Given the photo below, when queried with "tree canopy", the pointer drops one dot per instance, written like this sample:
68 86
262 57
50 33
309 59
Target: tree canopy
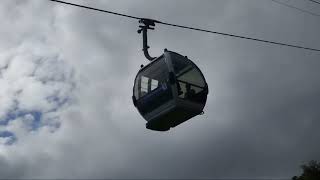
311 171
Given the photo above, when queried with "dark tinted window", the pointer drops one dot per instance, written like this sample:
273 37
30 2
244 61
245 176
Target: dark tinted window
191 83
151 78
151 88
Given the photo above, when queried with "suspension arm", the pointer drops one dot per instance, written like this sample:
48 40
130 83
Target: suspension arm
147 24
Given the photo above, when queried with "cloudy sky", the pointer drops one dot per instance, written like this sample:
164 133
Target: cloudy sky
66 77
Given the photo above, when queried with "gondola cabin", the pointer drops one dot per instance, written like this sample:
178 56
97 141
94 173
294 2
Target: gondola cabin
168 91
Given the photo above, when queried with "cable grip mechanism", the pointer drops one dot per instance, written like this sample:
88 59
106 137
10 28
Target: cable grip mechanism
147 24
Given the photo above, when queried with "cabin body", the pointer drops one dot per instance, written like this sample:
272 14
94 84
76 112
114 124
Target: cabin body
169 91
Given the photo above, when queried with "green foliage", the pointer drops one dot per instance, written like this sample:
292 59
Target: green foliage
311 171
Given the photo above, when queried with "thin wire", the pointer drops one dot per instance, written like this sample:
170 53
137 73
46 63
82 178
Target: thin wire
192 28
296 8
242 37
314 1
95 9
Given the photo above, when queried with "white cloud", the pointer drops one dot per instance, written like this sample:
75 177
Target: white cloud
36 85
5 140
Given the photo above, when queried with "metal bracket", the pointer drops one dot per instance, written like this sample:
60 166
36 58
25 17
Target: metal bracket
147 24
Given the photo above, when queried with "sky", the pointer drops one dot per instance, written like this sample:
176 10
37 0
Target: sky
66 77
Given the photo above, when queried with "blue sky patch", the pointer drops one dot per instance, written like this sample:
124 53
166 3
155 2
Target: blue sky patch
10 135
16 114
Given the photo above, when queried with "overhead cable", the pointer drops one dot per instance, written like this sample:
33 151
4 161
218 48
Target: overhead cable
95 9
314 1
296 8
191 28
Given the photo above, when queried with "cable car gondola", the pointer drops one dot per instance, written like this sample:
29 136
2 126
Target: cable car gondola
170 90
170 100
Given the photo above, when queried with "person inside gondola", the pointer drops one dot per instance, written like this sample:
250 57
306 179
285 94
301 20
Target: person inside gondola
189 92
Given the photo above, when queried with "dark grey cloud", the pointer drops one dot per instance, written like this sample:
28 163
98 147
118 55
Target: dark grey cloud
262 115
